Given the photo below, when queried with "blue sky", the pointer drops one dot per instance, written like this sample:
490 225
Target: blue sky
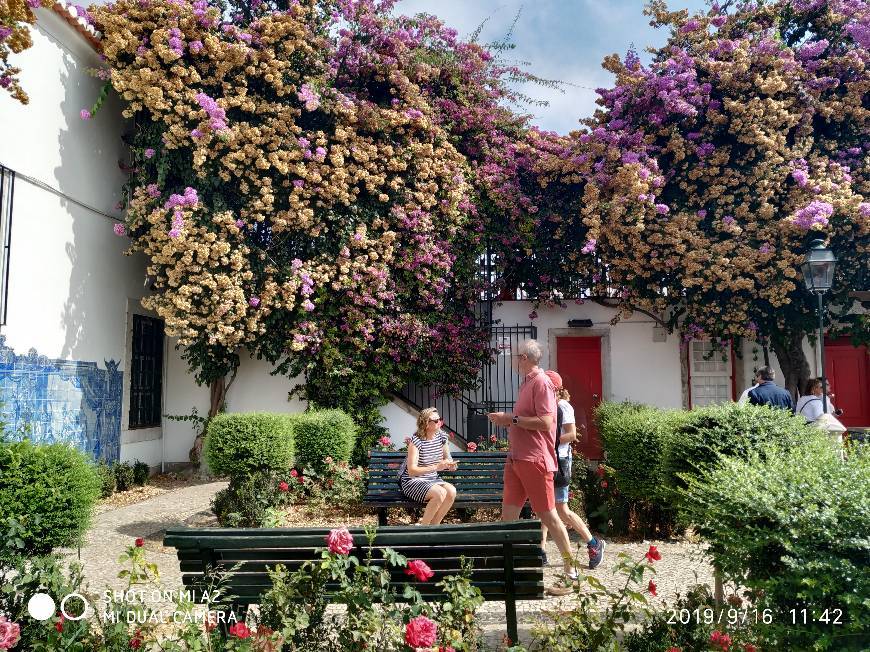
561 39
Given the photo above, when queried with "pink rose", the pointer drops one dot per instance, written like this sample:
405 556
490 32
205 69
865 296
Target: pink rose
421 632
10 633
384 441
471 447
339 541
419 569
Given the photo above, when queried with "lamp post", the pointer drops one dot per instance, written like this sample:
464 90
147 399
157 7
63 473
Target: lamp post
818 268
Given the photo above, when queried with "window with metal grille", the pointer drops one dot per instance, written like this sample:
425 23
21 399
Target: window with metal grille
146 372
7 185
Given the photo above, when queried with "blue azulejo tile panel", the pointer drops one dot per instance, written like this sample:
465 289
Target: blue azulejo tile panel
62 401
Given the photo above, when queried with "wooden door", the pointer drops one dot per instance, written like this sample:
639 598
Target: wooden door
578 361
848 372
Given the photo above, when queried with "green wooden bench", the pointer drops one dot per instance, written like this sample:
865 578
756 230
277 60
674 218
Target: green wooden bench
478 480
505 557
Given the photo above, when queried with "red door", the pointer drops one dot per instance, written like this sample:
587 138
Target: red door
578 361
848 370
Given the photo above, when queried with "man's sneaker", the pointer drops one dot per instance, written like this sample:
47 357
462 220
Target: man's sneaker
596 553
544 557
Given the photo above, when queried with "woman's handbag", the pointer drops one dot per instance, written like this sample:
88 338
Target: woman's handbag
562 476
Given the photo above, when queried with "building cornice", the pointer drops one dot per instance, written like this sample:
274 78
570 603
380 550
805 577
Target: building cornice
68 12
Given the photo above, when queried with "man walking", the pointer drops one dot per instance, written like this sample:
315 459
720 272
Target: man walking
528 472
769 393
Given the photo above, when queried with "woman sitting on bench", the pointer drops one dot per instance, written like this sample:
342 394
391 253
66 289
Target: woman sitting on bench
428 454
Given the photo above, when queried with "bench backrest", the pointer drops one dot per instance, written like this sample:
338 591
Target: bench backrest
505 557
479 476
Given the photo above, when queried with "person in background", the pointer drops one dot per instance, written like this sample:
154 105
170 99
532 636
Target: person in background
531 460
809 405
595 547
769 393
428 453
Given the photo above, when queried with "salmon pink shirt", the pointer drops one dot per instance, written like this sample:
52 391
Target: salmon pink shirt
537 398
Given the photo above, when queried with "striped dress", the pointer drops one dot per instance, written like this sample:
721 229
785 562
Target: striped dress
430 451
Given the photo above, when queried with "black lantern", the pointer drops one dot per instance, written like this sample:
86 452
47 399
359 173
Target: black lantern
818 268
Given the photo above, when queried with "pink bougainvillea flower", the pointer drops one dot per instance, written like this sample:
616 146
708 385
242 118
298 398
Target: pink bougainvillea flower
119 229
421 632
84 114
419 569
339 541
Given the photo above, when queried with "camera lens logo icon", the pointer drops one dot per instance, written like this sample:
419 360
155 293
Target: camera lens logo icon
41 606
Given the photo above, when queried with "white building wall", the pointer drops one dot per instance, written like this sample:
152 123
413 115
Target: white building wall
635 367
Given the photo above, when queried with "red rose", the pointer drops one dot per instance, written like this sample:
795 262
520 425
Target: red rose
674 649
600 471
136 641
283 486
652 587
294 473
604 484
749 647
59 624
419 569
240 630
493 438
421 632
140 542
301 479
653 554
720 640
472 447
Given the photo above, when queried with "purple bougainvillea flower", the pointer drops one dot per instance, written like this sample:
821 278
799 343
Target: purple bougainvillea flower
119 229
84 114
149 153
254 301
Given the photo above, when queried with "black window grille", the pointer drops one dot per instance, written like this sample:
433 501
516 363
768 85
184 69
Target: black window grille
146 372
7 186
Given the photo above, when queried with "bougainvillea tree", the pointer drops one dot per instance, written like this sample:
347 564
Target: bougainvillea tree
717 164
16 17
310 182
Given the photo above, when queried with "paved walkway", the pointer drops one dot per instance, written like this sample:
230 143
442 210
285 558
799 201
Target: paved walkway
114 529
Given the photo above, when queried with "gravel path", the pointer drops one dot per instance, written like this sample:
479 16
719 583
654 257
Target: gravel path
113 530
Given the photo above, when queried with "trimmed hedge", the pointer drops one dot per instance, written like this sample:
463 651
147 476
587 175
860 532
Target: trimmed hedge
731 430
243 443
792 523
635 438
324 433
50 490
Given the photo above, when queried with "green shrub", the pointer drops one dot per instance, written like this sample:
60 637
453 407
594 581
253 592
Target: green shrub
240 444
107 479
50 490
247 500
791 524
730 429
321 434
123 476
141 471
635 438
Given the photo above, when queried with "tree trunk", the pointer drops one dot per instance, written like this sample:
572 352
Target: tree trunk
218 389
789 351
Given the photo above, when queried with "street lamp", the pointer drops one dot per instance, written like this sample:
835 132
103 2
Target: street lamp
818 268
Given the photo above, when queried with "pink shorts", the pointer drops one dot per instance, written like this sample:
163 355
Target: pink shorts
529 479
